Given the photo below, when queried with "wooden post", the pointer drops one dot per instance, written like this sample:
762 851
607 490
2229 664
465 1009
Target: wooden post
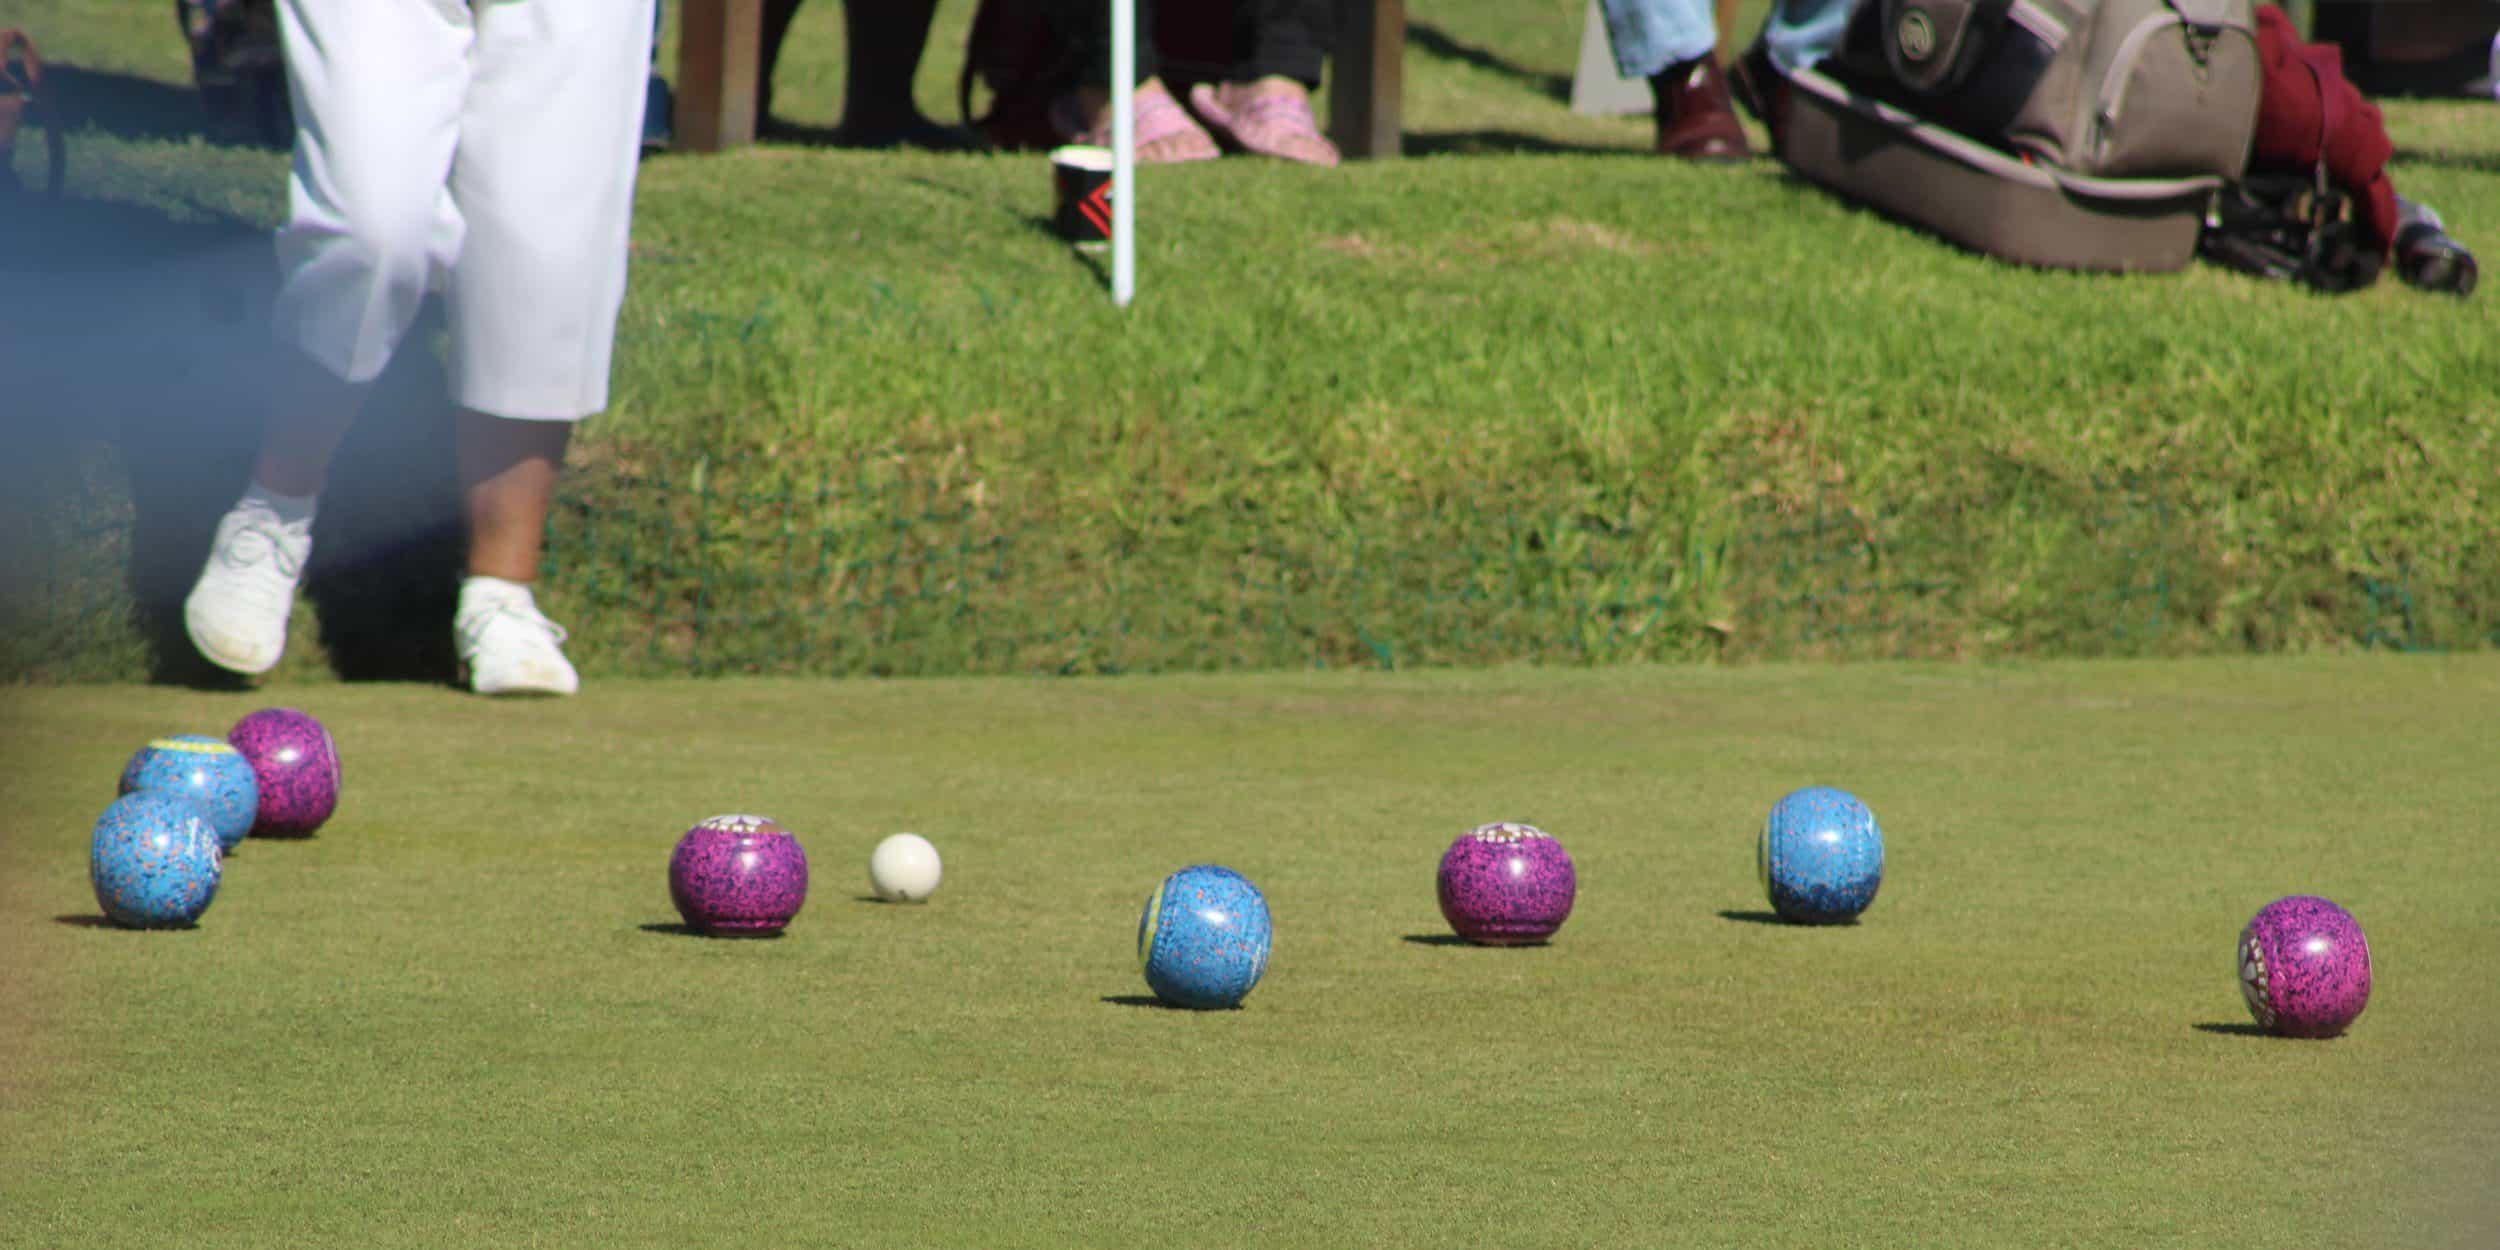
1367 77
719 54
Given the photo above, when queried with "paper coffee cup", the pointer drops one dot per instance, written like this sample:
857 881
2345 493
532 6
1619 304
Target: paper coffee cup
1082 175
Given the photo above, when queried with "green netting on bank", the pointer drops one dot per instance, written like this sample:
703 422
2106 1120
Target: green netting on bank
866 571
864 576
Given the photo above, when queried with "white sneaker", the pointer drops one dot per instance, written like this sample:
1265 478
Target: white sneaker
238 610
509 647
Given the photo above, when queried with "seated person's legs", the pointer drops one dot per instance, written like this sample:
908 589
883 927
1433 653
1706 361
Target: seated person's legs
884 41
1165 133
1671 43
1265 102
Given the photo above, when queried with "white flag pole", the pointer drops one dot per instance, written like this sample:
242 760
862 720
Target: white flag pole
1123 152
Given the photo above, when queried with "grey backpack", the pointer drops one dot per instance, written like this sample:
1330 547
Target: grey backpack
2070 133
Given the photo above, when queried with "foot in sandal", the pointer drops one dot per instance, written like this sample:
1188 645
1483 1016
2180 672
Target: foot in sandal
1271 117
1165 133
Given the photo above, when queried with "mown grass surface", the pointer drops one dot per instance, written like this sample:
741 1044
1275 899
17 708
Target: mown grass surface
1533 395
458 1016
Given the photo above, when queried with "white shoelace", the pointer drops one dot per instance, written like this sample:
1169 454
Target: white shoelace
236 554
475 622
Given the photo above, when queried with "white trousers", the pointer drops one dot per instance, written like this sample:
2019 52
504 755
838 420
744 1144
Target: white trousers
482 148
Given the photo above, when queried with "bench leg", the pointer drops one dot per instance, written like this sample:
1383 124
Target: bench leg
719 54
1367 77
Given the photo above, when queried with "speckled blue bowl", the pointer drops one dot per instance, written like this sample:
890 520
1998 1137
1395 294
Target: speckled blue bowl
1204 938
209 772
154 861
1821 856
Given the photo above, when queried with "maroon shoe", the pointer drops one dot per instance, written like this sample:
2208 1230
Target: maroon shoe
1696 119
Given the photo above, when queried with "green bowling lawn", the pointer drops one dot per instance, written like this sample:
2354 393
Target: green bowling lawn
463 1015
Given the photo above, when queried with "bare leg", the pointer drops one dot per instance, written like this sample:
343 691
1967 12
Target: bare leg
508 478
306 424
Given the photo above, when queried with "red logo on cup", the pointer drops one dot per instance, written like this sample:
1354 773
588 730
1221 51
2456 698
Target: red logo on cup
1096 206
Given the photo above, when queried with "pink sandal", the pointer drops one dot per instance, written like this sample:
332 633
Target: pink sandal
1159 117
1278 125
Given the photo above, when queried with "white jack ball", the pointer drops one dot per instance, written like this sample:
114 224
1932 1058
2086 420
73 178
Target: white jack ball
904 869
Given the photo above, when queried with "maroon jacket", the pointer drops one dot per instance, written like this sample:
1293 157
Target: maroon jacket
2310 113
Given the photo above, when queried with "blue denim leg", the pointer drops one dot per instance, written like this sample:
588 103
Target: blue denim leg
1650 35
1803 32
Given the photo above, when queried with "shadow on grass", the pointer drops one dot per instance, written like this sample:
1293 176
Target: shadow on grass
689 931
2231 1028
136 343
1752 917
1149 1000
1452 939
251 113
82 920
1433 41
1774 918
940 139
1498 143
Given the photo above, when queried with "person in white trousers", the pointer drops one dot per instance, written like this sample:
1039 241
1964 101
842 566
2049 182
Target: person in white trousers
484 149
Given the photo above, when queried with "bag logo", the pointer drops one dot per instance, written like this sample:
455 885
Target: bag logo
1915 34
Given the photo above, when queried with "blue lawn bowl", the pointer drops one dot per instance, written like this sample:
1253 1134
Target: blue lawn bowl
208 771
1204 938
155 861
1821 856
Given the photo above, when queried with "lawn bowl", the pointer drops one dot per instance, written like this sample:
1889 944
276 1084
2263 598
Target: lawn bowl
738 876
204 770
1204 938
1821 856
296 766
2304 967
154 861
1507 884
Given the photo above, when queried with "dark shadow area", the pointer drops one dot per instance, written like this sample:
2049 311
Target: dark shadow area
1438 939
1149 1000
79 921
125 106
135 343
124 338
940 138
2241 1028
1431 40
1499 143
250 112
689 931
389 544
1753 918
